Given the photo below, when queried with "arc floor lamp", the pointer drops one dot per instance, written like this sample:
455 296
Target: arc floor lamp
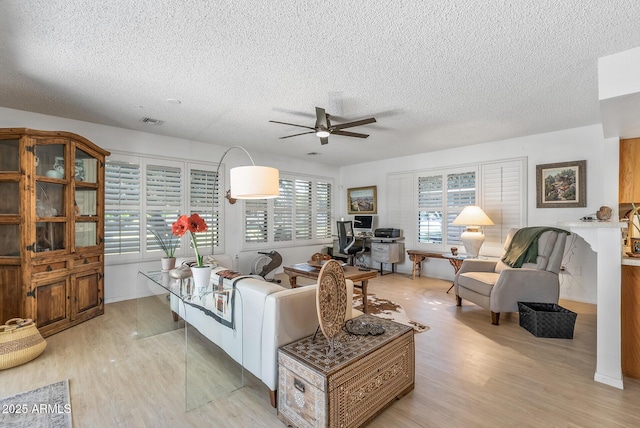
248 182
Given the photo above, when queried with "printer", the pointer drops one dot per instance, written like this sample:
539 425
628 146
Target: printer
387 232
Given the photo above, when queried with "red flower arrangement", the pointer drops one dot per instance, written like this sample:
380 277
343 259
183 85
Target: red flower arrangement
191 224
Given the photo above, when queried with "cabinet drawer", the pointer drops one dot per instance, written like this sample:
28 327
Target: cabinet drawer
51 267
87 262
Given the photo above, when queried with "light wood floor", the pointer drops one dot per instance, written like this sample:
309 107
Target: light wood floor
469 373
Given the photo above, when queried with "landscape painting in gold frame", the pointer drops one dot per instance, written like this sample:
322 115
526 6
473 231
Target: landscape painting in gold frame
561 185
362 200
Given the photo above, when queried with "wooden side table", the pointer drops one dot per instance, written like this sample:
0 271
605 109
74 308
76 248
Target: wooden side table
417 257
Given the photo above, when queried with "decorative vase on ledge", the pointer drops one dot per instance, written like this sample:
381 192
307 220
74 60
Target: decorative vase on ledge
201 276
168 263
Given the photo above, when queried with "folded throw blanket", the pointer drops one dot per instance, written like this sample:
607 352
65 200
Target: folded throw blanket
524 245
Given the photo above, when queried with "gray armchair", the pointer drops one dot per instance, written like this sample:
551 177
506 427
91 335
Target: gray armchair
496 286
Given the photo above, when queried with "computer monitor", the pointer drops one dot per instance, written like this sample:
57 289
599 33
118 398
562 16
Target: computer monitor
363 224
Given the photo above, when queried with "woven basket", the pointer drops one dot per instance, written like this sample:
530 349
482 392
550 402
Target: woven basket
547 320
20 342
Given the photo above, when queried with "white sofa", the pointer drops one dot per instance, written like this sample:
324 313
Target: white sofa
272 316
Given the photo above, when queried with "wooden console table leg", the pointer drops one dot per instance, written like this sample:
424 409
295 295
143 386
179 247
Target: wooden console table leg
292 281
365 301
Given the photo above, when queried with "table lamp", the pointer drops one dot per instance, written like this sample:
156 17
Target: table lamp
473 217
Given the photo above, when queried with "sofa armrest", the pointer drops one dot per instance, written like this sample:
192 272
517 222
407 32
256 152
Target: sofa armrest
289 315
477 265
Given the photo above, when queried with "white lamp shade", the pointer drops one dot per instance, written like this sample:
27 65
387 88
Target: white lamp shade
472 215
254 182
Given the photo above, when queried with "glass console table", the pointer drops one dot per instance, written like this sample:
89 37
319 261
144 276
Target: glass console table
211 315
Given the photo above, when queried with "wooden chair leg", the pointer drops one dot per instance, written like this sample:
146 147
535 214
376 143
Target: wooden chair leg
273 397
458 300
495 318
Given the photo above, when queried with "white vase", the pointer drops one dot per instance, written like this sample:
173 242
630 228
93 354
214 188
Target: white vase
168 263
201 276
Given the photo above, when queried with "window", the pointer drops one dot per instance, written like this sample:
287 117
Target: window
441 197
144 194
436 197
123 207
300 215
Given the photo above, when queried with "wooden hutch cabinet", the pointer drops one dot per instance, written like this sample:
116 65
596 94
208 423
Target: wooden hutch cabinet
51 228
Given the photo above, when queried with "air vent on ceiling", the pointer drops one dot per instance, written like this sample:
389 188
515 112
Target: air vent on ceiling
152 121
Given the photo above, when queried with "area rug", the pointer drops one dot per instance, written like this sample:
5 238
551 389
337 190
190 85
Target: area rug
383 308
46 407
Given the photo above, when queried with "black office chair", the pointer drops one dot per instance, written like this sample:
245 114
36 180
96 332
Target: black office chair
346 241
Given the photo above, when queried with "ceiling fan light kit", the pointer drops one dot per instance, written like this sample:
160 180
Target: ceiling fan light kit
323 127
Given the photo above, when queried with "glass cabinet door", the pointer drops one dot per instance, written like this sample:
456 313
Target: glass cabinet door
50 160
86 167
86 197
51 198
9 198
9 155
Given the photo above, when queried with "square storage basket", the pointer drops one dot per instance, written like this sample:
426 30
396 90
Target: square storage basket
547 320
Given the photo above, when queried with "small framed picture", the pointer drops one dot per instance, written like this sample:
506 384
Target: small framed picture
362 200
561 185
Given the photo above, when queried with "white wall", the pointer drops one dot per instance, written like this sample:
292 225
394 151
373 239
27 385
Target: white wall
567 145
120 278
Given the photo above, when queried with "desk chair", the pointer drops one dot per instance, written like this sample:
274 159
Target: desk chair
347 239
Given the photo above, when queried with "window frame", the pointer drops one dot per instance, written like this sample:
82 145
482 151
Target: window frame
186 167
319 209
507 190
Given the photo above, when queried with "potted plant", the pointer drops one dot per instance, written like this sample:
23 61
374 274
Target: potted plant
168 244
193 224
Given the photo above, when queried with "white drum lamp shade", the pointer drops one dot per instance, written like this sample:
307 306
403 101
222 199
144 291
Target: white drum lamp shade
254 182
473 217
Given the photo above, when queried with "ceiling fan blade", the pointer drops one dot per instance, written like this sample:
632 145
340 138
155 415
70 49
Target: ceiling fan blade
291 124
324 140
295 135
321 118
349 134
354 123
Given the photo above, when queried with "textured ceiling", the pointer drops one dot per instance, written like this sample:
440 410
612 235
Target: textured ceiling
435 74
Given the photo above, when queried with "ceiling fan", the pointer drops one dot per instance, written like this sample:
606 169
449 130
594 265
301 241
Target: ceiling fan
324 128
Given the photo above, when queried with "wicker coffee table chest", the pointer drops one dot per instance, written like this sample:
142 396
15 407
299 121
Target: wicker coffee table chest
365 374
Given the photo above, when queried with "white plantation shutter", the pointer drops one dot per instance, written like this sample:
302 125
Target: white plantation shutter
499 188
256 220
430 208
145 193
503 200
163 199
301 214
203 199
283 212
461 191
122 208
304 205
323 210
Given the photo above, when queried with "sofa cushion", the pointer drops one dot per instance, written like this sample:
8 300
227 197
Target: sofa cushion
479 282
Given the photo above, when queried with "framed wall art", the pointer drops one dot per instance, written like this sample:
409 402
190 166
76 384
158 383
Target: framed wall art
561 185
362 200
